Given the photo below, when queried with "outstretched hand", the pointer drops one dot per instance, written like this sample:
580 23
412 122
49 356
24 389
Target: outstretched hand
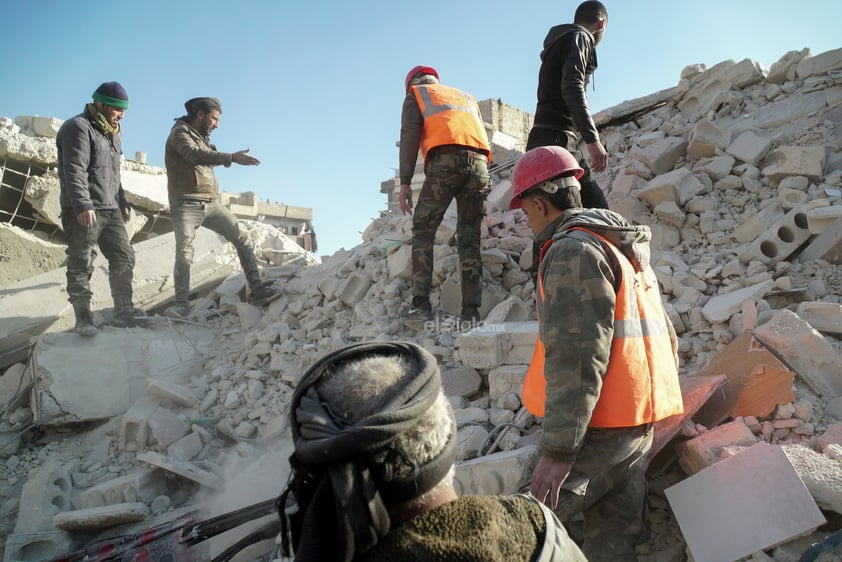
242 158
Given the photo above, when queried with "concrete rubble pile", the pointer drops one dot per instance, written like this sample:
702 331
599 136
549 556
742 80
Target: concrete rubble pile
737 170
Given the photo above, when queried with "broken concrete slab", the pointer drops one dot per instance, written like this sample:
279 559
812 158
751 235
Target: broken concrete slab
38 304
721 307
821 474
804 350
736 361
826 246
764 388
733 508
183 469
63 389
37 546
140 485
498 473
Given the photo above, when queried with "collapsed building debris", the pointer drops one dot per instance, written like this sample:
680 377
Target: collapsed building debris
737 170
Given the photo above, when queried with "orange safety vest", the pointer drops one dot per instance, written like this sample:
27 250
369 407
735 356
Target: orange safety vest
640 385
451 116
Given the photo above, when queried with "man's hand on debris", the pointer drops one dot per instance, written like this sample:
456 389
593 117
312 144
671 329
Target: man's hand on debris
547 479
242 158
405 199
86 218
598 156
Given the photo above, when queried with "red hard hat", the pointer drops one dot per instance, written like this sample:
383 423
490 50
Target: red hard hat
542 164
420 69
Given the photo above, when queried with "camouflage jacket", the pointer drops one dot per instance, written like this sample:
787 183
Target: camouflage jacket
580 279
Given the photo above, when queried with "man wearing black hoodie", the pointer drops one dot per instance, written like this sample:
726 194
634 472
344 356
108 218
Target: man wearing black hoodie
562 117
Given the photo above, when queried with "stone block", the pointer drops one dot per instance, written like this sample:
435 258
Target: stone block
186 448
134 426
749 147
354 288
171 392
504 380
736 507
678 186
781 239
517 342
715 168
461 381
706 140
823 316
788 161
166 427
709 447
500 196
469 441
721 307
494 474
826 246
450 294
97 518
510 310
820 219
660 156
831 436
820 64
480 348
140 485
399 262
45 493
805 351
183 469
758 223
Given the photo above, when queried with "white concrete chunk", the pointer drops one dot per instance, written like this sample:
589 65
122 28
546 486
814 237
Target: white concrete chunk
721 307
749 147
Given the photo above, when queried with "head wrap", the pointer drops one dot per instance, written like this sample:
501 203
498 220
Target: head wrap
113 94
341 477
195 105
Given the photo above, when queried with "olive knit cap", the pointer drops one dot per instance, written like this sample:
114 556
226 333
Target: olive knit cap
113 94
195 105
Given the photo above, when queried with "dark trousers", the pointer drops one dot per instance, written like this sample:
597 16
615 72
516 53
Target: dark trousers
187 217
109 234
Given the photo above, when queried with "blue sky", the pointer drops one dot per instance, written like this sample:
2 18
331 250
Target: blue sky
314 89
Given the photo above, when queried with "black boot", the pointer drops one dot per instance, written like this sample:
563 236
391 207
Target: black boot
125 314
84 319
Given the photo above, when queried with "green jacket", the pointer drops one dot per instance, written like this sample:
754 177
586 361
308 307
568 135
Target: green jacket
479 529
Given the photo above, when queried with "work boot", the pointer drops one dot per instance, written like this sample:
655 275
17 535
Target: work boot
178 311
84 320
264 294
470 315
419 314
125 314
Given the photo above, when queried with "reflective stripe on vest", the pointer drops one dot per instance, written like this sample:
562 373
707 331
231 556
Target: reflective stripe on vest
641 382
451 116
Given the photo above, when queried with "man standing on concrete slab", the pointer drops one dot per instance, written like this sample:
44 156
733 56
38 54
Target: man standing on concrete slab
194 199
94 209
375 440
605 366
445 124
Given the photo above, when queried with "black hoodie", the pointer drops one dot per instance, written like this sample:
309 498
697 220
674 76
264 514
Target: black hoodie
567 61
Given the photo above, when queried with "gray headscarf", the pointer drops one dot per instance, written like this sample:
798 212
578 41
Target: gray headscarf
339 479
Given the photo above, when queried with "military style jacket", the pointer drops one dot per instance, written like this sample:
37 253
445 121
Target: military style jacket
581 279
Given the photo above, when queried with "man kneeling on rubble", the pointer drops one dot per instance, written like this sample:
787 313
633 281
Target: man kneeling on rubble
372 473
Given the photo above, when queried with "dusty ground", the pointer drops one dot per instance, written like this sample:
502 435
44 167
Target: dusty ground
27 255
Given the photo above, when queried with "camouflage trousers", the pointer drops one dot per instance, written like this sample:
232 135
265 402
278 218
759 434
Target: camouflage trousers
109 234
614 462
462 176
